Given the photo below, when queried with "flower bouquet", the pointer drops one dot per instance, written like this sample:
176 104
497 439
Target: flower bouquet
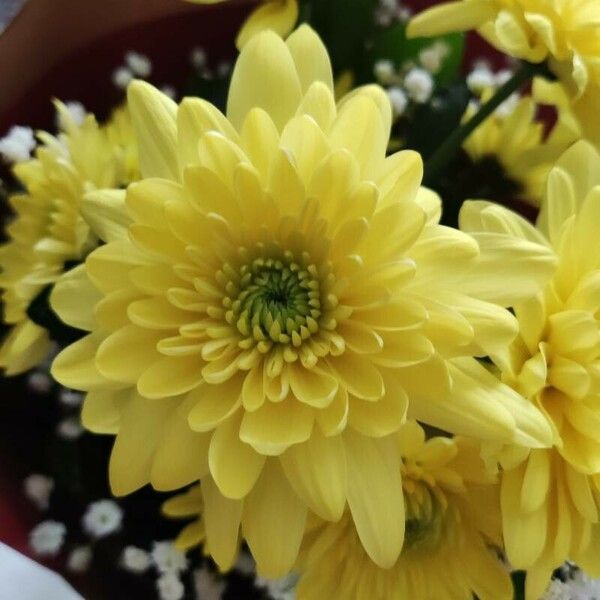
329 315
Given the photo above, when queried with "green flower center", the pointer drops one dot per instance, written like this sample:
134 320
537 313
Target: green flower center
275 299
426 512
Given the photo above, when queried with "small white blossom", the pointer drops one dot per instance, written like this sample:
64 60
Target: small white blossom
122 77
169 587
578 587
135 559
404 14
76 112
47 538
17 144
167 559
419 85
38 489
480 79
207 585
279 589
398 100
223 69
70 429
502 77
102 518
169 90
432 57
39 382
70 398
245 564
384 71
198 58
139 64
79 559
508 107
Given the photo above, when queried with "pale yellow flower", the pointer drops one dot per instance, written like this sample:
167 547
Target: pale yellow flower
48 230
453 532
274 296
515 139
279 16
551 498
566 33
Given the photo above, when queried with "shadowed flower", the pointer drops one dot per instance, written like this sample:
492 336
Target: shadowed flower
275 294
551 498
566 33
48 230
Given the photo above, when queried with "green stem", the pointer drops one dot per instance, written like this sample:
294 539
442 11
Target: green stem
444 154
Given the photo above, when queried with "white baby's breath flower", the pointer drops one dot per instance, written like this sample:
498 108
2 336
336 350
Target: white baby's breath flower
169 587
398 100
245 564
384 72
198 58
47 538
501 77
39 382
79 559
480 79
102 518
223 69
207 585
279 589
70 398
135 559
139 64
17 144
76 112
167 559
70 429
432 58
508 107
38 488
169 90
419 85
122 77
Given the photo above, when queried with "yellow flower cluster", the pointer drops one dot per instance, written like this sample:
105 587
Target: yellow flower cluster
274 315
565 33
274 298
48 230
551 498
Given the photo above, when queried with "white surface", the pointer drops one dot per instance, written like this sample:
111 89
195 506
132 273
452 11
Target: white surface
24 579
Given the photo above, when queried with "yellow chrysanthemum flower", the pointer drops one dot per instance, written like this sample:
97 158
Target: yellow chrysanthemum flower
452 524
514 139
48 229
566 33
453 532
279 16
551 498
271 296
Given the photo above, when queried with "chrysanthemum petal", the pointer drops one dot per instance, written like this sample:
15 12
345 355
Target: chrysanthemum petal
264 65
234 465
359 376
170 376
154 119
311 58
316 470
180 456
222 517
106 214
140 431
279 16
273 522
375 496
73 298
277 425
